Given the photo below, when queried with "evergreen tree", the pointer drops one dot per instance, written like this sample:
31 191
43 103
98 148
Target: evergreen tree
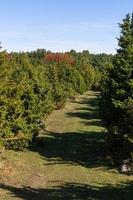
32 85
24 101
117 94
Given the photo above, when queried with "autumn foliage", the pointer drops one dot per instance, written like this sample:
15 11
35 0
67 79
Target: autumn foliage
59 58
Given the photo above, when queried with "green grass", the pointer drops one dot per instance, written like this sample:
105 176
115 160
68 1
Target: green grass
69 161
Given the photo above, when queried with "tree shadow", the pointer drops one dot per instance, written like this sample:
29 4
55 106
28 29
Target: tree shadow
96 122
86 148
78 148
87 109
89 112
72 191
90 101
83 115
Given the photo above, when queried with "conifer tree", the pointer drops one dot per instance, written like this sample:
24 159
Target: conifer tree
117 94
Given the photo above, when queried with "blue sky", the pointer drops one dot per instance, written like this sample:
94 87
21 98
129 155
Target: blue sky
61 25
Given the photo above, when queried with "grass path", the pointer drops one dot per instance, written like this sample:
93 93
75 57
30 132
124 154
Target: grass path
69 162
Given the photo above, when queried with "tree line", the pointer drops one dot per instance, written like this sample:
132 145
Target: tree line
32 84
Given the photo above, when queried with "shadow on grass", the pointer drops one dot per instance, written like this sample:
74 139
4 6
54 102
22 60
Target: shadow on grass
83 115
72 191
96 122
90 101
85 148
79 148
89 113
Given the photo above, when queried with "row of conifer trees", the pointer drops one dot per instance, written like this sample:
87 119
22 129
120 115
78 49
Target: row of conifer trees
32 84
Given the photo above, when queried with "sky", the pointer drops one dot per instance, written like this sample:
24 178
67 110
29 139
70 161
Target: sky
62 25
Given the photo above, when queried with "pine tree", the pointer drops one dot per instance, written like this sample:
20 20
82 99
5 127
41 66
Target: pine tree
117 94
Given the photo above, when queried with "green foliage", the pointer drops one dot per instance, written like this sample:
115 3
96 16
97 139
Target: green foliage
35 83
23 101
77 81
117 93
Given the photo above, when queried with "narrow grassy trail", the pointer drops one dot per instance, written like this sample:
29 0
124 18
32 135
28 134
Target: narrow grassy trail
69 162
